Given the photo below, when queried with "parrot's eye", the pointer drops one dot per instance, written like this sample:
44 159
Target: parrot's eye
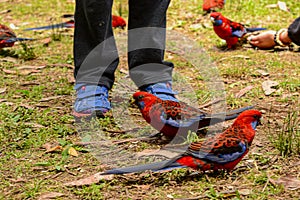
140 97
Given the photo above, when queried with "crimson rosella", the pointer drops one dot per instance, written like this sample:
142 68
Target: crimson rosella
222 151
117 22
171 117
8 37
210 5
228 30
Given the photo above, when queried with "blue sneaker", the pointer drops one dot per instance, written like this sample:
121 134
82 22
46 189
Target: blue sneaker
161 90
91 100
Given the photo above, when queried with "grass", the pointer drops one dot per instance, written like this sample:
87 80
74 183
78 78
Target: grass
36 108
288 135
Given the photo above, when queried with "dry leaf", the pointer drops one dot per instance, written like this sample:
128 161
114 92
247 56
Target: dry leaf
47 146
124 71
7 71
268 87
282 6
289 182
50 195
245 192
53 149
4 11
272 6
27 72
51 98
2 90
71 79
24 67
9 59
18 180
263 72
34 125
90 180
243 91
72 152
22 72
46 41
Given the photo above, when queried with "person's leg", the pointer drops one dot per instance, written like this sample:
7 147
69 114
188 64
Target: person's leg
95 56
146 45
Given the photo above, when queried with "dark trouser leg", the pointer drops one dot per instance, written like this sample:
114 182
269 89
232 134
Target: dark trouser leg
146 42
95 53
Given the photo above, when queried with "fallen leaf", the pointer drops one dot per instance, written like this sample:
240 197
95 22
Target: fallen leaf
95 178
26 106
143 187
272 6
12 26
27 72
7 71
71 79
51 98
2 90
53 149
24 67
196 26
50 195
21 72
34 125
124 71
29 83
18 180
46 41
47 146
243 91
42 105
4 11
289 182
61 65
72 152
245 192
9 59
282 6
268 87
263 72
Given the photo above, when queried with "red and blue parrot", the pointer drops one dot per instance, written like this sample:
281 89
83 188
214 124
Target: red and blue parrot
228 30
171 118
8 37
117 22
219 152
211 5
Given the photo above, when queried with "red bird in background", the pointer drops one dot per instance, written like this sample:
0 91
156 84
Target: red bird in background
210 5
228 30
117 22
8 37
171 118
222 151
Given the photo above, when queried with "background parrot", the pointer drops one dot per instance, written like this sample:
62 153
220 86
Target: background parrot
171 117
117 22
228 30
210 5
222 151
8 37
